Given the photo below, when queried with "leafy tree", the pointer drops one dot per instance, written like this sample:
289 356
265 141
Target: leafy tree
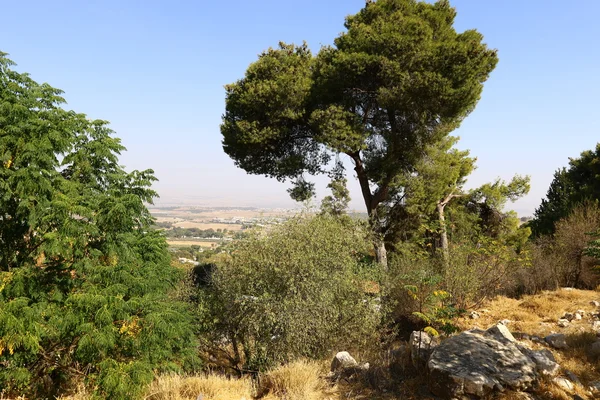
399 79
295 292
570 187
84 280
337 203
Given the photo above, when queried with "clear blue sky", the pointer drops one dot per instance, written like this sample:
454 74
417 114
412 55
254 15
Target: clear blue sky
156 70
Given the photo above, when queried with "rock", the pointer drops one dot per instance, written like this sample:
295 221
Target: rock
556 340
563 323
421 346
595 303
568 316
474 315
342 360
545 363
577 316
595 387
572 377
594 350
596 325
563 383
501 333
476 363
505 321
200 397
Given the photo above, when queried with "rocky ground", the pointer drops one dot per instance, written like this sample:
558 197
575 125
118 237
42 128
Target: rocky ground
545 346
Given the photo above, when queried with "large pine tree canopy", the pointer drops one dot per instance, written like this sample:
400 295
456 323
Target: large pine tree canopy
84 281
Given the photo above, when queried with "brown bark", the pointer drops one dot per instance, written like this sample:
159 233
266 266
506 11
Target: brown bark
372 201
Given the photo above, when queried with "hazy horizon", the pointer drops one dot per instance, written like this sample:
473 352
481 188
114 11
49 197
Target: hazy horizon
156 70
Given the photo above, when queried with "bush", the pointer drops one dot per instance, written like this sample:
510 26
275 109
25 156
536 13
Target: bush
296 291
562 259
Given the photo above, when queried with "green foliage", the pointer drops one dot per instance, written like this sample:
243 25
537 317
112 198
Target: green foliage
481 268
84 280
337 203
571 186
296 291
415 287
567 258
397 81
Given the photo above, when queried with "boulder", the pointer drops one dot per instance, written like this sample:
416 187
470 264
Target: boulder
341 361
421 346
556 340
595 303
476 363
577 316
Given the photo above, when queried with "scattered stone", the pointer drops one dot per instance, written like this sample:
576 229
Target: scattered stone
556 340
572 377
563 383
563 323
477 363
568 316
595 387
594 349
421 346
545 362
474 315
596 325
595 303
342 360
505 321
581 312
577 316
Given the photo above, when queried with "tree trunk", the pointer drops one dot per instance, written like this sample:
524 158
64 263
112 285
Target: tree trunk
372 201
381 254
443 235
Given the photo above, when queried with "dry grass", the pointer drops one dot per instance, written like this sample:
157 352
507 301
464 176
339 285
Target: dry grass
300 380
211 386
537 315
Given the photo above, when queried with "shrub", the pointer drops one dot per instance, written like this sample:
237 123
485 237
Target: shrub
564 258
293 292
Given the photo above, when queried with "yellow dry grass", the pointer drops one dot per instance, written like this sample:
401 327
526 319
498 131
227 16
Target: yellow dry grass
210 386
537 315
300 380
